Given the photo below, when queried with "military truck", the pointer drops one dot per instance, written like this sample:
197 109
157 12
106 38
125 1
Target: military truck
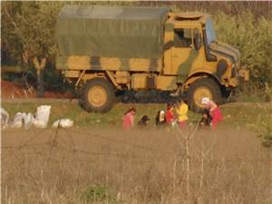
104 50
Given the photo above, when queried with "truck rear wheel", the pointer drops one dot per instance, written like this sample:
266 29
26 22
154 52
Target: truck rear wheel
98 95
204 87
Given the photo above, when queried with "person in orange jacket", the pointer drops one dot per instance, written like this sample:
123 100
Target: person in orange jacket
182 110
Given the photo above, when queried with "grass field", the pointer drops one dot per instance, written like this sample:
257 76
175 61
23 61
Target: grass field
97 162
237 115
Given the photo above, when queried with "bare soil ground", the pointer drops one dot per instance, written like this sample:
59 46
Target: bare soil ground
140 166
12 90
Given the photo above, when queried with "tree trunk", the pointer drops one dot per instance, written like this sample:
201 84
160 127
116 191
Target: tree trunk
39 67
40 90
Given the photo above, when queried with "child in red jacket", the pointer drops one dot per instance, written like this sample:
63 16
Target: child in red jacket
169 116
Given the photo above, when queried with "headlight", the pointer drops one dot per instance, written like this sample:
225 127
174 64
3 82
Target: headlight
221 68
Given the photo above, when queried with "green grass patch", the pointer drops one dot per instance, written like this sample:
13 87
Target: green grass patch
95 194
249 115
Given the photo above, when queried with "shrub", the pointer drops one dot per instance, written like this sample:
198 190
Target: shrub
252 37
97 194
265 133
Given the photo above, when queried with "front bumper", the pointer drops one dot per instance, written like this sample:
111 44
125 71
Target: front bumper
243 73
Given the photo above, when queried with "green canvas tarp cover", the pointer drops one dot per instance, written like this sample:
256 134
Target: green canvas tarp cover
108 31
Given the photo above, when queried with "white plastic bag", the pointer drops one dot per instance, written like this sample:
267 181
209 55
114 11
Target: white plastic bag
63 123
4 118
28 120
42 116
174 124
18 120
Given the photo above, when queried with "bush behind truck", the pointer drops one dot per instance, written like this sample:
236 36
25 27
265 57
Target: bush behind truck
108 49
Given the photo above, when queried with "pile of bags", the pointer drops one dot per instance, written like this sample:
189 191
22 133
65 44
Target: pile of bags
39 120
4 118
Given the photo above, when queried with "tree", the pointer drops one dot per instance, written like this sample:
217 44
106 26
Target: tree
29 28
28 33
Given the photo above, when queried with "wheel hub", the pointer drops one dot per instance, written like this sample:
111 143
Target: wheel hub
97 96
200 93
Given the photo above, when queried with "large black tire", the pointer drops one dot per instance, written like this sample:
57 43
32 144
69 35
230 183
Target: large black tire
98 95
204 87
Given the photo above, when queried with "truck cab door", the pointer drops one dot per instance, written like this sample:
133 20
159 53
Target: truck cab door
184 55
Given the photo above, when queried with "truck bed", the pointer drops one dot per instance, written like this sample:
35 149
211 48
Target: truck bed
111 32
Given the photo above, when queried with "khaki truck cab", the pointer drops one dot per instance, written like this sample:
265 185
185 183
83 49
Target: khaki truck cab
108 49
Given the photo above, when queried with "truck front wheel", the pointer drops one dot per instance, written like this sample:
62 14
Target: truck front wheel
98 95
204 87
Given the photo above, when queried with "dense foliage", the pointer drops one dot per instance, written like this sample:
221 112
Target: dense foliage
28 31
253 38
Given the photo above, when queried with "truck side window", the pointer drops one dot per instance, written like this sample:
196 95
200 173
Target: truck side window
182 38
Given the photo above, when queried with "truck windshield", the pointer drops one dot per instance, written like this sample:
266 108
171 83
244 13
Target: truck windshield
211 37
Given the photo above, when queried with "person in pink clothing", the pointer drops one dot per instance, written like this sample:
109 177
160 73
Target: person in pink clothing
128 119
214 111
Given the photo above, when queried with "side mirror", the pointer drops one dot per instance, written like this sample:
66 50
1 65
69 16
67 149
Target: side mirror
197 41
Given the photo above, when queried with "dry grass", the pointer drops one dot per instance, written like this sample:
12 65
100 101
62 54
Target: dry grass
141 166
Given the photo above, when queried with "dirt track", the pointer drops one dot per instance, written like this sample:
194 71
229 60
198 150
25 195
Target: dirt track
37 100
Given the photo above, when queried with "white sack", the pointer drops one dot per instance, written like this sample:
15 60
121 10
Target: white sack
63 123
42 116
28 120
18 120
4 118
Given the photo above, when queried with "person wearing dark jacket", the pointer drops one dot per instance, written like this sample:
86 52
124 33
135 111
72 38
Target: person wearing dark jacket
143 121
206 119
